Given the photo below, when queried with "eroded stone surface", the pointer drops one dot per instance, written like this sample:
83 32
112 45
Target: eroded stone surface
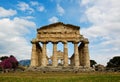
59 32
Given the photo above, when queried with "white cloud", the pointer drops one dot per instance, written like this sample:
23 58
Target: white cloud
103 60
7 13
85 2
53 19
104 15
12 37
60 10
38 6
105 19
25 7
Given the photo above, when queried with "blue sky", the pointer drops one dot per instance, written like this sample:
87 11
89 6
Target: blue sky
99 21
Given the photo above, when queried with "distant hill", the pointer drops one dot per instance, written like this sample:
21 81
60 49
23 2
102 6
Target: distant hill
24 62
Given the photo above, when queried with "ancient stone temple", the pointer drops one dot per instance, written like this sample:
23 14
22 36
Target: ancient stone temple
60 32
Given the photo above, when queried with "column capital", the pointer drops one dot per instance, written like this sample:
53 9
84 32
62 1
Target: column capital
75 42
85 41
64 42
45 42
33 41
54 42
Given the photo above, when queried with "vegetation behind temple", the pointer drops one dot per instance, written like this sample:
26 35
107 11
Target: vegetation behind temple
8 63
113 64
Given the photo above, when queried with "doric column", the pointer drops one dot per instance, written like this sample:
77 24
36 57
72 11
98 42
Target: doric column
80 56
43 58
86 55
83 57
65 54
76 55
34 55
39 54
62 61
54 60
72 61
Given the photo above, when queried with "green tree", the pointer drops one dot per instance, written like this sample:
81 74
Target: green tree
114 62
92 63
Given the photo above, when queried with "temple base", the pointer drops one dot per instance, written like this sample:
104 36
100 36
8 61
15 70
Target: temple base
60 69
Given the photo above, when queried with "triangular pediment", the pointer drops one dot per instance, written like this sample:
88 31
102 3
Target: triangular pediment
58 27
59 32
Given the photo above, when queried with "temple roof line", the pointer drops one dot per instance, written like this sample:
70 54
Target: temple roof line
58 23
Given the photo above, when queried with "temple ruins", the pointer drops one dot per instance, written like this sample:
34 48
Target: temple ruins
60 32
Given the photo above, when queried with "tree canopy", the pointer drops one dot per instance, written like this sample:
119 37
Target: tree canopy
3 58
92 63
114 62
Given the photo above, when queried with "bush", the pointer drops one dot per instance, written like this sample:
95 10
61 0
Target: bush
8 63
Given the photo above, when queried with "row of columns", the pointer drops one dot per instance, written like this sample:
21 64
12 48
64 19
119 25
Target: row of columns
54 60
43 55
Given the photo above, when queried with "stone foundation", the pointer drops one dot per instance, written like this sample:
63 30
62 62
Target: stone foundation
60 69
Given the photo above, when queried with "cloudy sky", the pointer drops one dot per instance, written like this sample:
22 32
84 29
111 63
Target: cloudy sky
99 21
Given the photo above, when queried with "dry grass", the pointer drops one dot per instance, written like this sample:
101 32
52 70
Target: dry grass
60 77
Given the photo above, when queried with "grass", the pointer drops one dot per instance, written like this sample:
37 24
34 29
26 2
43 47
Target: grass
59 77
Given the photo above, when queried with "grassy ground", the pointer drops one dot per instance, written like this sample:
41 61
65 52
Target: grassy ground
59 77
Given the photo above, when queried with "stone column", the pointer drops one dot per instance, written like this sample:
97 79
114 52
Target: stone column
34 55
83 57
43 58
76 55
62 61
54 61
86 55
65 54
80 56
